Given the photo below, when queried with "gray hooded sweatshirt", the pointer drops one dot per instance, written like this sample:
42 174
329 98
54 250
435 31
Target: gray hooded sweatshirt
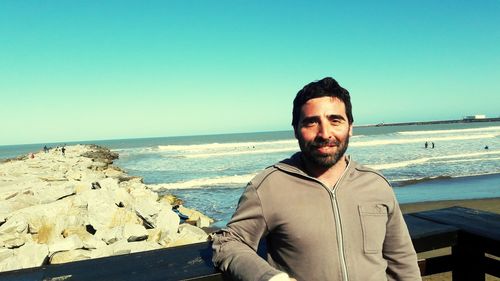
351 231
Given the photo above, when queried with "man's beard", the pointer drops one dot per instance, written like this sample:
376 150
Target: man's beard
320 159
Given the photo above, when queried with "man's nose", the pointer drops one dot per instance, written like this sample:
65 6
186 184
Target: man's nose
324 131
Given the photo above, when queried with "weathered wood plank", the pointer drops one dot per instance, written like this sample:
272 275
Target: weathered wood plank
427 235
179 263
468 259
491 266
483 226
435 265
482 223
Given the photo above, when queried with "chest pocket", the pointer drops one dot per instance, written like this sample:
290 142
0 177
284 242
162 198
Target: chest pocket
373 223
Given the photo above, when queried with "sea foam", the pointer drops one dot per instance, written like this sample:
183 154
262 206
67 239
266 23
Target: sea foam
227 181
455 157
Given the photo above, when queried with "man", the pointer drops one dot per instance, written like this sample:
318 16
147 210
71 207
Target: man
323 216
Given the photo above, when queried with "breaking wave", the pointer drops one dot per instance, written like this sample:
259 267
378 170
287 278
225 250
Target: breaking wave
218 146
456 158
419 140
237 181
409 181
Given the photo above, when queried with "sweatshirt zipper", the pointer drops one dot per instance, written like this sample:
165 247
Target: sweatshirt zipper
338 224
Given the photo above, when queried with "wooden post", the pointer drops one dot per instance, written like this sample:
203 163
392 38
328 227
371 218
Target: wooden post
468 259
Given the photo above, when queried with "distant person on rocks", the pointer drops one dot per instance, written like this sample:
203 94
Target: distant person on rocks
322 215
45 149
63 150
426 144
432 144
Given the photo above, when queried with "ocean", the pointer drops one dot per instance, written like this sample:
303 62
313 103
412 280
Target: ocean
210 172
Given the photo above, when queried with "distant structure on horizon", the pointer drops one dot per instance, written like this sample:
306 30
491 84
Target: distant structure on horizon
475 117
466 119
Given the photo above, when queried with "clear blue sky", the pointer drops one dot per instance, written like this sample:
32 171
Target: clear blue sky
86 70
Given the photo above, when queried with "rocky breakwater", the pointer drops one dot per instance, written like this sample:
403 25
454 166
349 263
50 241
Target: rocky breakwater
57 208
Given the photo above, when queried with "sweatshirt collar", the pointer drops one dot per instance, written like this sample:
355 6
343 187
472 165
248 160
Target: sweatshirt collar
295 164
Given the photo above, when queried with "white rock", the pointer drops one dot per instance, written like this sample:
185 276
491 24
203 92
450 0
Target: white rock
193 215
41 214
113 173
109 183
54 193
89 240
167 221
74 175
189 234
129 232
147 210
110 235
71 242
134 232
12 240
91 176
69 256
5 254
9 263
14 224
154 235
192 231
121 196
31 255
203 221
101 209
20 201
124 247
140 192
100 252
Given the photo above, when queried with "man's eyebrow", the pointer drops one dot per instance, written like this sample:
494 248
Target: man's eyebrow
336 116
310 118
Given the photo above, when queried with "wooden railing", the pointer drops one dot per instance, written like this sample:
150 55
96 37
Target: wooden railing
470 233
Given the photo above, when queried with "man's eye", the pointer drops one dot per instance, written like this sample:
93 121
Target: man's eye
308 123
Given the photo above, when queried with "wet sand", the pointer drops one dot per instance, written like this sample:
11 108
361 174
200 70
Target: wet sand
490 205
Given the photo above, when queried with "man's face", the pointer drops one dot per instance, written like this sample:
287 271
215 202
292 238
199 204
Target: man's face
323 131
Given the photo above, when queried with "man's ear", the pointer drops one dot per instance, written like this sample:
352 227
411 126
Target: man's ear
350 130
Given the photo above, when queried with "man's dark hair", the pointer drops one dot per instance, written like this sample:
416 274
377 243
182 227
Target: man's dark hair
326 87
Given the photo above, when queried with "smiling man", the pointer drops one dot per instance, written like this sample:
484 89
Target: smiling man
323 216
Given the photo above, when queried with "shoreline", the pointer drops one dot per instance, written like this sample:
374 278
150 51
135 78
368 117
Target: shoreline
437 179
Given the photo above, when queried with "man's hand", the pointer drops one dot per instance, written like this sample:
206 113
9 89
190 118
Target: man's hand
282 277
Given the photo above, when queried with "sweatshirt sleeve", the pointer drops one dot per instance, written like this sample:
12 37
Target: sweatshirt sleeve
235 247
398 249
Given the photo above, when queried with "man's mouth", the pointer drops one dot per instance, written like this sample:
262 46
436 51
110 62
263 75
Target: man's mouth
325 144
324 148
